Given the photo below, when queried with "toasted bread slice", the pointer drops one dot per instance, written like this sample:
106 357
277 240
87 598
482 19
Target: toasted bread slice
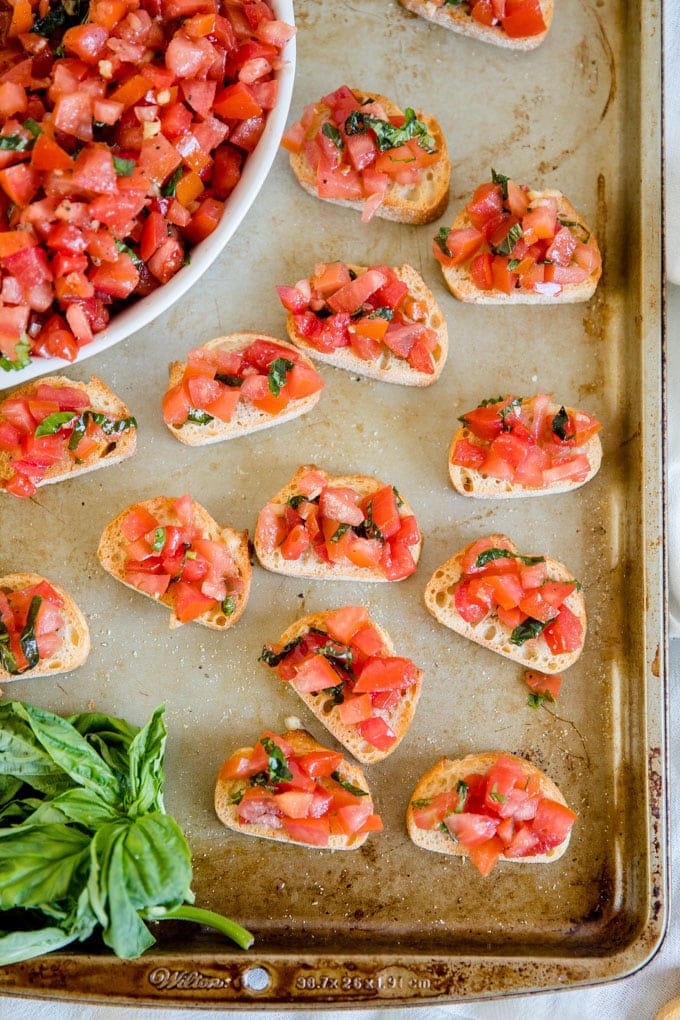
388 366
490 632
74 634
446 774
228 793
402 203
324 707
459 280
247 417
309 563
112 556
457 19
470 481
115 448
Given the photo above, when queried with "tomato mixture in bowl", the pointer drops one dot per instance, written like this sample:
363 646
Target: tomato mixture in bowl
126 127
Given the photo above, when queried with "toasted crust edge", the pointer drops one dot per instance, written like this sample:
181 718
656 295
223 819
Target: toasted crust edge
472 483
459 282
461 23
398 205
388 368
75 645
445 773
399 718
247 418
111 555
102 399
302 743
308 565
439 602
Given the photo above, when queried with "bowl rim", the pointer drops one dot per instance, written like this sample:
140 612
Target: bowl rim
256 169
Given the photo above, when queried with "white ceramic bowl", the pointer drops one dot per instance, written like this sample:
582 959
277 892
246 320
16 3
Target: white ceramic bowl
256 168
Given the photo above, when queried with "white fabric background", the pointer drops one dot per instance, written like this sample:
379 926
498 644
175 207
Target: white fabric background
640 996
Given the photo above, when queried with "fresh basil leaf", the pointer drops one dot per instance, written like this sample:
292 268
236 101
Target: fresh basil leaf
276 376
21 756
508 243
197 417
229 380
350 787
271 658
336 653
144 791
124 167
277 767
40 863
559 425
504 554
75 806
528 630
502 180
17 946
330 131
50 425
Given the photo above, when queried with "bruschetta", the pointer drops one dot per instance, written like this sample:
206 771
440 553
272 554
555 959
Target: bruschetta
528 608
359 149
342 664
514 245
42 630
490 807
523 446
338 527
513 24
292 789
173 551
376 321
237 384
54 428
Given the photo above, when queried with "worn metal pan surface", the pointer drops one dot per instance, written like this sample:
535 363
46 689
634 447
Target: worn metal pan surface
392 923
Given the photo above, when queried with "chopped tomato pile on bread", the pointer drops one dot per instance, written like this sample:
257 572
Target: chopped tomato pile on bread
342 665
54 428
527 443
125 128
518 244
490 807
345 527
289 787
377 320
30 626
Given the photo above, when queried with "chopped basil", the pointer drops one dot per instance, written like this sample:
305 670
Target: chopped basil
514 406
15 143
502 180
421 802
109 426
528 630
368 528
158 539
271 658
559 426
536 700
295 501
33 126
124 167
387 135
337 653
276 376
384 312
330 131
508 243
7 657
398 498
22 352
503 554
462 791
62 15
127 250
512 264
236 796
441 238
170 187
276 766
341 530
229 605
495 795
229 380
574 224
197 417
350 787
443 827
491 400
27 641
50 425
337 693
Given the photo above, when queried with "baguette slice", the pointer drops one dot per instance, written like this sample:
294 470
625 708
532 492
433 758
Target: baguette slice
387 367
398 717
402 203
112 556
490 632
309 564
444 777
116 448
470 481
457 19
459 280
247 417
228 792
74 646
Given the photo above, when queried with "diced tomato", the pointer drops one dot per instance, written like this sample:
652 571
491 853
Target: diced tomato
524 18
377 733
543 683
564 633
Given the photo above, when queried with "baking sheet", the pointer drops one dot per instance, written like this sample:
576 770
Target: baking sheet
392 923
